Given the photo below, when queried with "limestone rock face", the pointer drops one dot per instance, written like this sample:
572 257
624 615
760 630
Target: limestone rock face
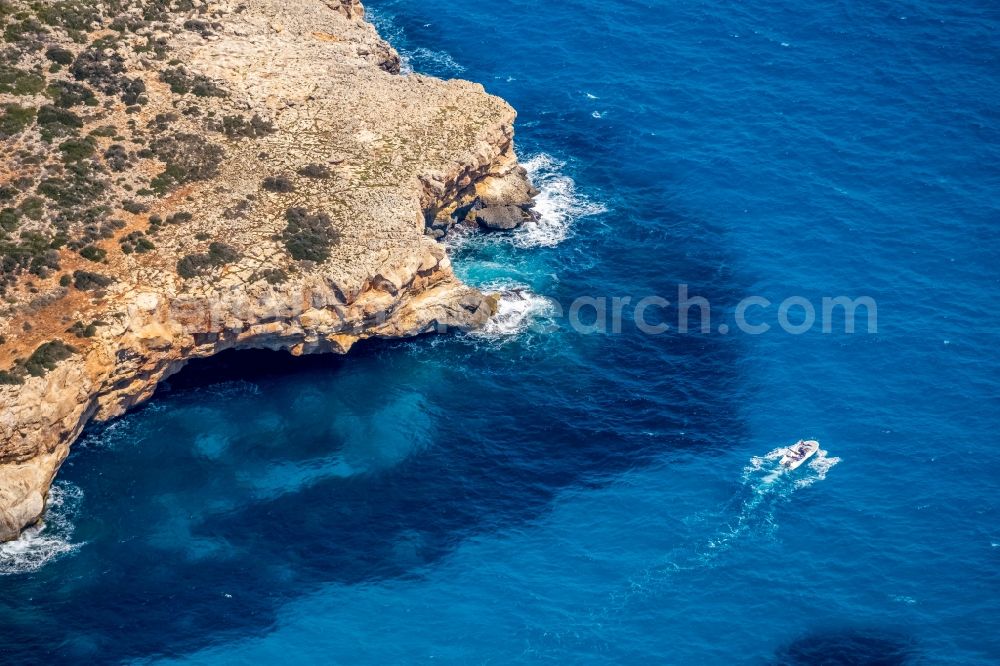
365 156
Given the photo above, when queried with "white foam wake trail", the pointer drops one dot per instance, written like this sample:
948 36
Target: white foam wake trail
49 538
558 205
753 509
767 485
518 310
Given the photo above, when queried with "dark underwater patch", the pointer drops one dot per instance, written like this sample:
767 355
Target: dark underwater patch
849 647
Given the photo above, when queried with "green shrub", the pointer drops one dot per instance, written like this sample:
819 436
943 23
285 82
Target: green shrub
314 171
54 121
218 254
222 253
116 157
134 207
71 14
19 81
93 253
74 150
238 126
46 357
32 208
309 236
84 331
9 219
59 55
8 378
25 30
100 69
204 28
127 23
272 276
31 252
187 158
67 94
104 131
15 119
86 281
281 184
136 242
74 191
182 82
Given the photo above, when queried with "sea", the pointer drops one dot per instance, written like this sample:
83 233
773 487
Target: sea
594 478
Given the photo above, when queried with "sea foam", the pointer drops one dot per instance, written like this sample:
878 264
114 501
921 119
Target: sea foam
558 206
518 309
420 60
47 540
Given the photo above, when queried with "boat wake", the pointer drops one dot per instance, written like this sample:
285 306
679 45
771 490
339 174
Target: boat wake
769 470
766 485
753 510
49 539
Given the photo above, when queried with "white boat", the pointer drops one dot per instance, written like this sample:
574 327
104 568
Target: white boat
798 453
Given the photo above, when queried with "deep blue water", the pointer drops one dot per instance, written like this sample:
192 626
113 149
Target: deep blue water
536 494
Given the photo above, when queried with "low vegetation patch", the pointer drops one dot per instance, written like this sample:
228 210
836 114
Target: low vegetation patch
67 94
308 236
46 357
54 121
116 157
187 158
236 127
87 281
17 81
219 254
74 150
136 242
59 55
272 276
93 253
15 119
281 184
314 171
31 252
182 82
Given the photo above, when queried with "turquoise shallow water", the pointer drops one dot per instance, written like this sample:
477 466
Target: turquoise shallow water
534 494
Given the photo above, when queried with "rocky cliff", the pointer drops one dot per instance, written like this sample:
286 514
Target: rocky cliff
185 176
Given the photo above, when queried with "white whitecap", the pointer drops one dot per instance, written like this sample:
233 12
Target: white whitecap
430 59
557 207
47 540
518 309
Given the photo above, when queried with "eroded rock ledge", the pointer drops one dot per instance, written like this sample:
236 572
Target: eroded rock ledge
312 227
